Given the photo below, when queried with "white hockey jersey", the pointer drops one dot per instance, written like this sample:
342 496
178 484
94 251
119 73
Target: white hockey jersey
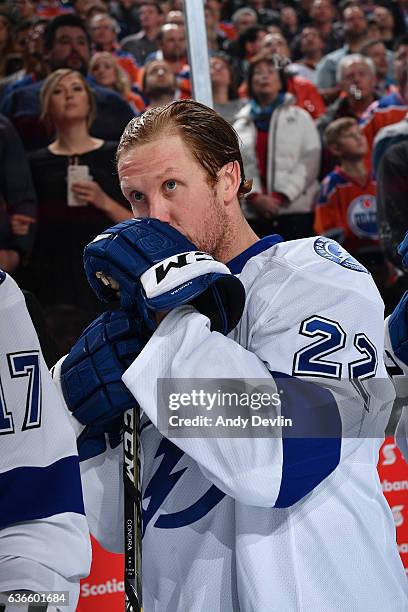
44 536
267 524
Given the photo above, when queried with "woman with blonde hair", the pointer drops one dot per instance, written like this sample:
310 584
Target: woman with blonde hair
107 73
77 189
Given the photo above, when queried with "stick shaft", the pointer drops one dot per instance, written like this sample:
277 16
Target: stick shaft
132 511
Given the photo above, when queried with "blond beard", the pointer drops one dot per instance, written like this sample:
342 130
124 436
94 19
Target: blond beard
215 236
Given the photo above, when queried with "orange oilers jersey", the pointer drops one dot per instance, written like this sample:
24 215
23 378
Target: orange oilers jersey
129 65
390 109
347 211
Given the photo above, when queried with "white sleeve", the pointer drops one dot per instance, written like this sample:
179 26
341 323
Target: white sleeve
102 483
102 480
234 468
44 537
274 471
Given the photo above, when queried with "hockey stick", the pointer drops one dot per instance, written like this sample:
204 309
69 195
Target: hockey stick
132 511
132 496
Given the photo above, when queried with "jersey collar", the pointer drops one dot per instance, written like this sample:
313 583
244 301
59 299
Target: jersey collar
237 264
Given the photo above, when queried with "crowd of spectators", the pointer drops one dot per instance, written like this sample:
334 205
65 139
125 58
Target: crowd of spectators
316 89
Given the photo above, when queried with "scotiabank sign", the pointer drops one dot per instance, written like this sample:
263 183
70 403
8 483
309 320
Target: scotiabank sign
103 590
393 472
110 586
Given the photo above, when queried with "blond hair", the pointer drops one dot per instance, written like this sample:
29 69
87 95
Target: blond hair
121 84
336 128
209 138
51 83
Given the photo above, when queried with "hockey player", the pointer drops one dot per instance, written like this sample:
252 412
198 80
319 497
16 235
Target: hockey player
44 536
288 522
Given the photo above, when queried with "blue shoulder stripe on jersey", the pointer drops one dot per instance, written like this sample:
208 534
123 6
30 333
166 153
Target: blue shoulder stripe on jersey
2 276
329 183
237 264
312 446
337 178
31 493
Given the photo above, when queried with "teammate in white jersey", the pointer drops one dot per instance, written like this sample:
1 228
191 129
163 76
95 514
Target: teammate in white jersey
270 524
44 536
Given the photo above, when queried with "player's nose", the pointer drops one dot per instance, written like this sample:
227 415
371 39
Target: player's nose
159 209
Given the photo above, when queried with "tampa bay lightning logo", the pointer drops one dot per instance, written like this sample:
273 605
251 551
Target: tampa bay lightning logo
329 249
362 217
160 486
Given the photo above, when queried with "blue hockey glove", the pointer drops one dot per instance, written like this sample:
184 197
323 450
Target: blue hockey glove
155 268
403 251
92 440
91 374
398 329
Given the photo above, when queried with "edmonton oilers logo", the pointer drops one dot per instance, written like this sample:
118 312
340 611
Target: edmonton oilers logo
362 217
329 249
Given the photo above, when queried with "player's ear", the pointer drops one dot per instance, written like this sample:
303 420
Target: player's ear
334 149
229 179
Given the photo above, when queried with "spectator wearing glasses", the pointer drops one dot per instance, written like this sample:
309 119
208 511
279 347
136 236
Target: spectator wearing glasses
104 33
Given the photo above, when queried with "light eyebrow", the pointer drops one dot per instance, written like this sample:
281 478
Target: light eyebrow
126 187
160 175
168 170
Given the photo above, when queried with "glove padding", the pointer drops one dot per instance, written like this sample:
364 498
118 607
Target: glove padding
398 329
155 268
91 374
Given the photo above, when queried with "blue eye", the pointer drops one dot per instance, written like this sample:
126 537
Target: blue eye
137 196
171 185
